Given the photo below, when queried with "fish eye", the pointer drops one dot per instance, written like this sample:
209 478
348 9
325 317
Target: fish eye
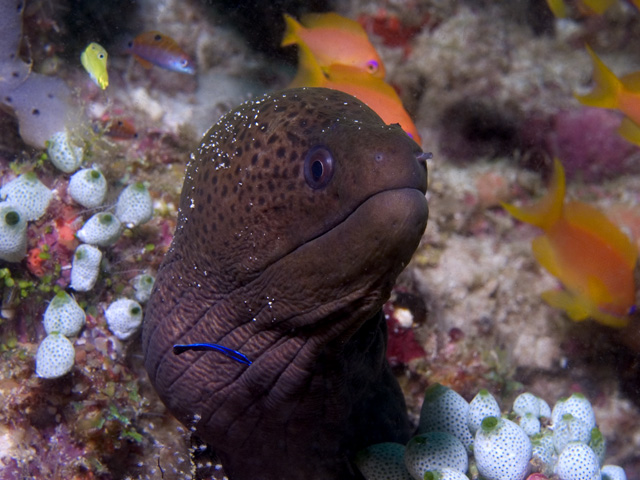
318 167
184 62
372 66
157 37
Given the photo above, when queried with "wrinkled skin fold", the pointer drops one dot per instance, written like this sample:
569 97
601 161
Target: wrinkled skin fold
298 212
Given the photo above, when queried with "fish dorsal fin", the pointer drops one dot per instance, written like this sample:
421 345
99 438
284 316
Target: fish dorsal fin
607 86
332 21
309 74
549 209
597 224
291 32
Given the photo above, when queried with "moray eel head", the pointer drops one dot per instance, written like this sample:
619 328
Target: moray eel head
298 211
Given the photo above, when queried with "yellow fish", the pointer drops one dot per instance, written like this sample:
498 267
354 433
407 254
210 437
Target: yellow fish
94 61
334 39
558 8
615 93
372 91
598 7
583 249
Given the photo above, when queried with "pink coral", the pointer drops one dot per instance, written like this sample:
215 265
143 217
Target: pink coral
585 140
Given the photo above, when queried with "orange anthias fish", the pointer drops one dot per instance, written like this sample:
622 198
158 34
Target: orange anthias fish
621 94
583 249
334 39
155 48
373 91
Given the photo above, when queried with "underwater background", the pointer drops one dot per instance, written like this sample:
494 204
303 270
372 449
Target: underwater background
496 90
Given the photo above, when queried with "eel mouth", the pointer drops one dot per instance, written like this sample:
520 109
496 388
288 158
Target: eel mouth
363 253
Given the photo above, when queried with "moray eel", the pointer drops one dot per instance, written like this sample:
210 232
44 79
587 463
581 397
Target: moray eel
298 211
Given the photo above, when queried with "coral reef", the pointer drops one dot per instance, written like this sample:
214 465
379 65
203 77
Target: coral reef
490 87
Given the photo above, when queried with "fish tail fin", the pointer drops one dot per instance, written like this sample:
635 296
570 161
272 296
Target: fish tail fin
549 209
630 131
610 320
291 32
575 308
607 85
309 74
558 8
578 310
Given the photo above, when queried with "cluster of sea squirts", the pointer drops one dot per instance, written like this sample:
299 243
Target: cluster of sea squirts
26 199
459 440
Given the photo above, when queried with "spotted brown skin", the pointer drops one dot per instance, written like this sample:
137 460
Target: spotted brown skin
298 212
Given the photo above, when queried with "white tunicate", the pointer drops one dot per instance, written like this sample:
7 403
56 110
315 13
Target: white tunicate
444 474
55 356
85 267
383 461
124 317
530 424
13 233
28 194
64 315
526 403
88 187
444 410
434 450
134 206
63 153
544 452
142 286
558 411
101 229
502 450
545 409
570 429
613 472
483 405
578 462
578 406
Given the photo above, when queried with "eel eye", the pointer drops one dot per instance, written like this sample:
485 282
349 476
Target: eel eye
372 66
318 167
